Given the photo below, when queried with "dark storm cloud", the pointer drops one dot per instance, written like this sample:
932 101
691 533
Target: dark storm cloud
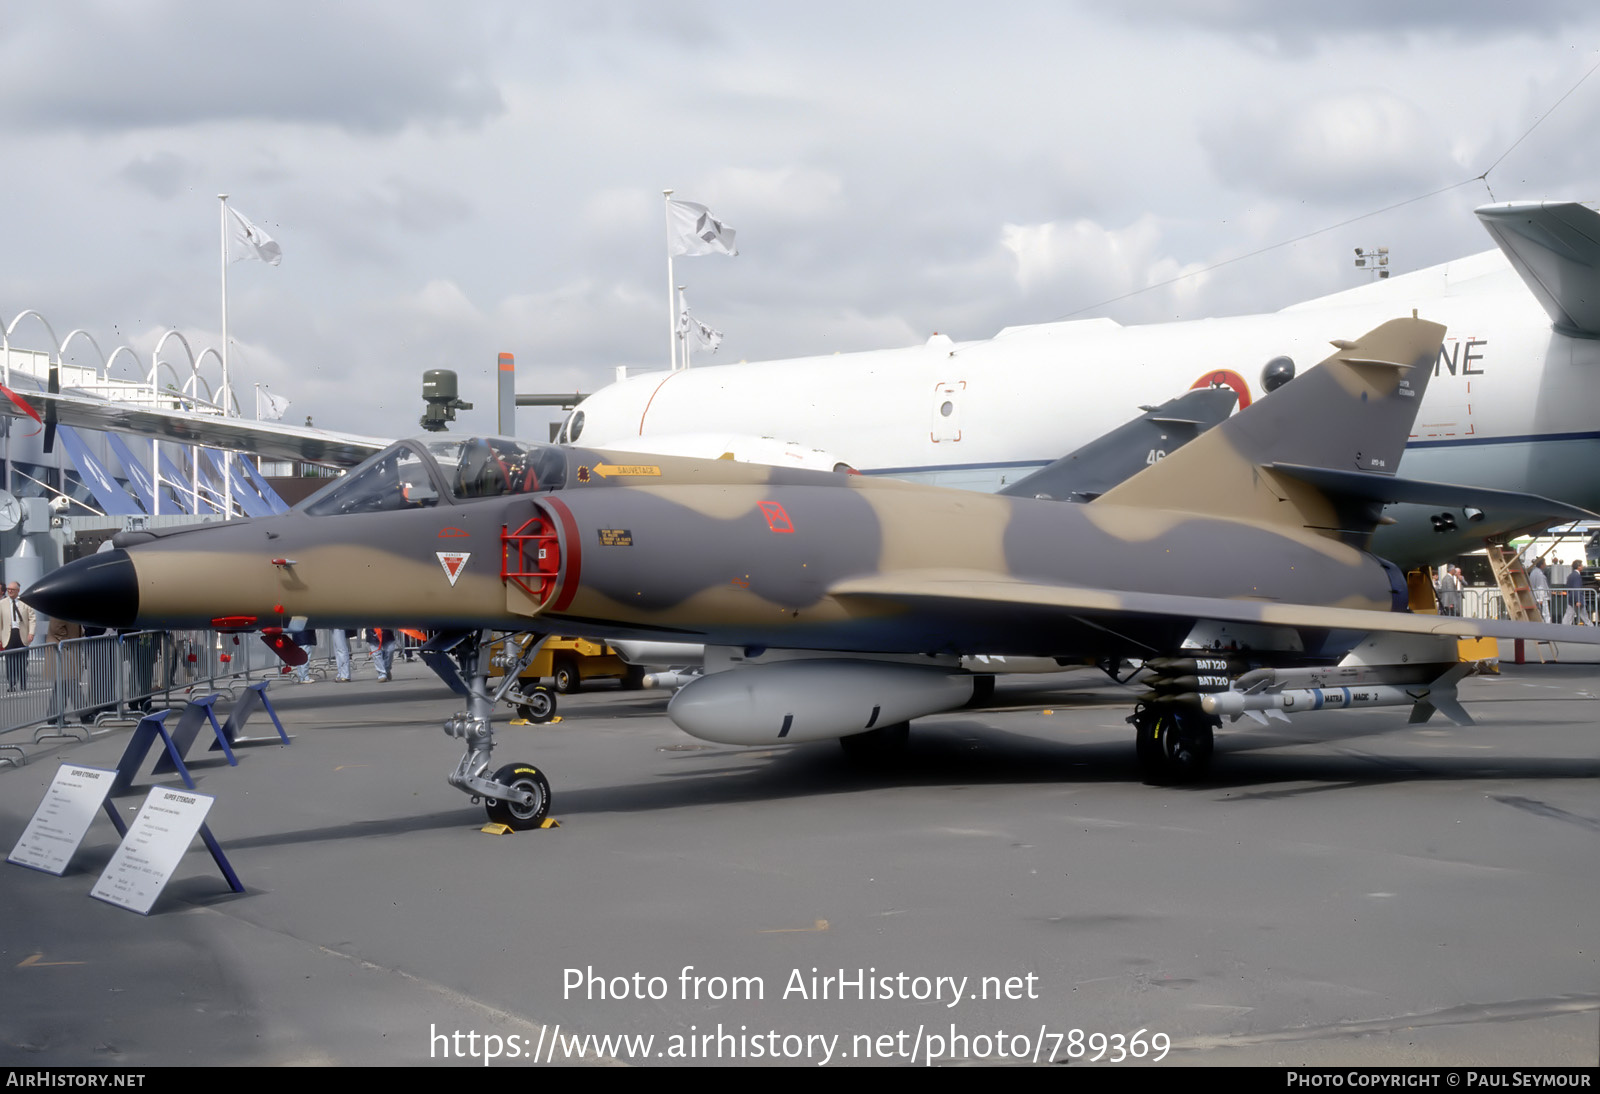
362 67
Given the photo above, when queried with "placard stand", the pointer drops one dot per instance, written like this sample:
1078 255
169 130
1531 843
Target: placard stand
255 695
62 819
175 742
151 849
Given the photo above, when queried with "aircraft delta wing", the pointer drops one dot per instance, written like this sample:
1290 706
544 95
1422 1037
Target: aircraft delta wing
836 605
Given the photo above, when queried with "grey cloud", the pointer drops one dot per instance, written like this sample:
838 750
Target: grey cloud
362 67
161 174
1306 28
1356 148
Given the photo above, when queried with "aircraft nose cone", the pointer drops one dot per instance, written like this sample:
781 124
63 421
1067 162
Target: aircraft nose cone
100 590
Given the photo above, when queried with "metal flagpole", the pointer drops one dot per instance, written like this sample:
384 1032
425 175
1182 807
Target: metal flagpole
672 308
683 325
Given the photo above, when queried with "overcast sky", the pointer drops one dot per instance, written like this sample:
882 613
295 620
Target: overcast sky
448 182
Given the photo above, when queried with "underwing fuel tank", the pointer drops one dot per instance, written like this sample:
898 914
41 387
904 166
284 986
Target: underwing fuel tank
812 700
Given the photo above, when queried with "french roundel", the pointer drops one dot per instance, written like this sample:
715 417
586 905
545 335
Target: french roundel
1225 377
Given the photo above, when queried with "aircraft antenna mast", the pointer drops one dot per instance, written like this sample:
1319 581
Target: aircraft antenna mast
1375 260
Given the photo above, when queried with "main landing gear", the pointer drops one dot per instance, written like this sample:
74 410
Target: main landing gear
516 795
1173 743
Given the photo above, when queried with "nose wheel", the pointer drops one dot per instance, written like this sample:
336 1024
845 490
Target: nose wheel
1173 743
532 804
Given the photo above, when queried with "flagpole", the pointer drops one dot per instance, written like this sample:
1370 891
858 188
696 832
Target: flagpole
683 325
672 306
227 480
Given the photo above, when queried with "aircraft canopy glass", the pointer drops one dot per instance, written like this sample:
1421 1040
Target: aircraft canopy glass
490 467
414 475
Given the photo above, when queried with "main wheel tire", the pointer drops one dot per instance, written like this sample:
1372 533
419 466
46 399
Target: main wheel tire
538 705
511 814
982 690
1174 746
877 747
633 678
567 678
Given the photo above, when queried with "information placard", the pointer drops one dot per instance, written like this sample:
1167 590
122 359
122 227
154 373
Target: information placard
155 843
62 819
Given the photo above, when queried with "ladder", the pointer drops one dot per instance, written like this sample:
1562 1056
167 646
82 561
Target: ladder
1512 578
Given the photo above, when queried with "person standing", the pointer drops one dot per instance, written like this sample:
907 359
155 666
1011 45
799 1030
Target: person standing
1449 592
385 641
341 654
1539 585
305 639
1577 610
17 624
63 670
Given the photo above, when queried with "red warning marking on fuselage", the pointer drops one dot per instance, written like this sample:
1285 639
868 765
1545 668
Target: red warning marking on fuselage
777 519
452 533
453 561
1225 377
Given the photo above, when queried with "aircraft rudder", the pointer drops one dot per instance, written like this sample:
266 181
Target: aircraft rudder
1353 411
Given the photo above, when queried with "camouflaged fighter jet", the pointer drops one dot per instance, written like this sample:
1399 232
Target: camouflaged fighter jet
836 605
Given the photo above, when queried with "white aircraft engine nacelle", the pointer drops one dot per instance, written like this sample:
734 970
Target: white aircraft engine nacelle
812 700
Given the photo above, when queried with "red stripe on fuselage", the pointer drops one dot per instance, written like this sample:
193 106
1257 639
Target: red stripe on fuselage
572 548
652 399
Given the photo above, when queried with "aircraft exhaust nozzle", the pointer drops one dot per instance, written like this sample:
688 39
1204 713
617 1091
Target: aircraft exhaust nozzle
812 700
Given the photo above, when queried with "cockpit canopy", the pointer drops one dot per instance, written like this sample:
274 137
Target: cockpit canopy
416 474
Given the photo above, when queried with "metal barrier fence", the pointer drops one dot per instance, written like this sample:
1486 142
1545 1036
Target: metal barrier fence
1484 602
118 677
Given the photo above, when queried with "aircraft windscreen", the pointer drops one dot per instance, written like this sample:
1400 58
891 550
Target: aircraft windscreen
491 467
395 479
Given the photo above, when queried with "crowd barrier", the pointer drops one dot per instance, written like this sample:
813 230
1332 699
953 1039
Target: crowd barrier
119 677
1483 602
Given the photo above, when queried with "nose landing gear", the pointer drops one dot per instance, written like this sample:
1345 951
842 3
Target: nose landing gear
516 795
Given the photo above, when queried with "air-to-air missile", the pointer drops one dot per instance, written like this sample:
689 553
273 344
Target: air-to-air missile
839 605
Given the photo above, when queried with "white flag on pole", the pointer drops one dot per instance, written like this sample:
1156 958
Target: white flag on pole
690 327
273 407
253 242
696 232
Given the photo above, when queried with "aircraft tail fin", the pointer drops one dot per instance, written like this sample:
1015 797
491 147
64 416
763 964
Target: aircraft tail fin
1352 413
1109 459
1555 246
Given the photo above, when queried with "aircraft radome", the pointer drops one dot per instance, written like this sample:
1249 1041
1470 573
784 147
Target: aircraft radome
1512 405
837 605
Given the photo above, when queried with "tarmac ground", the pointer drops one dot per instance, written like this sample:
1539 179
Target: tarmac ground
1343 889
